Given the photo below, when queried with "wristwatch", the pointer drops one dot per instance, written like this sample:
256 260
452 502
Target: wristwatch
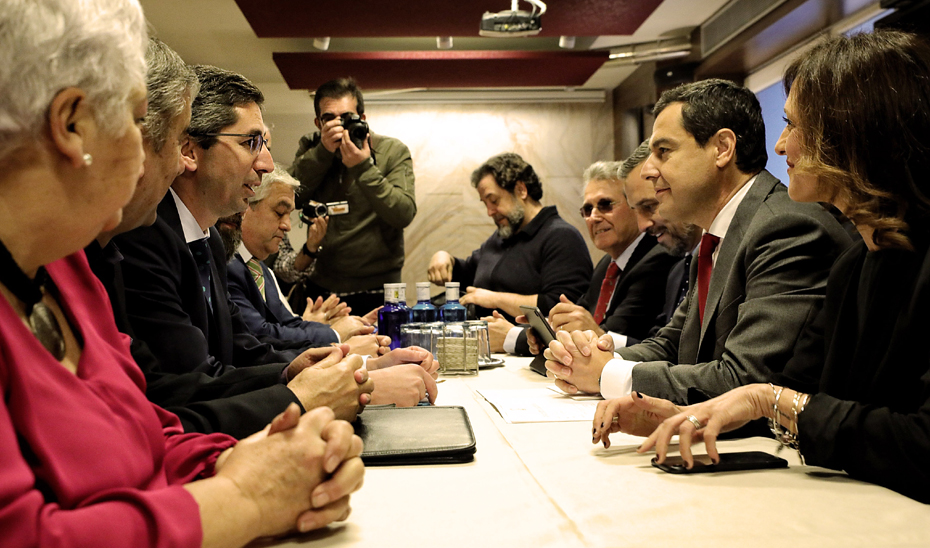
312 254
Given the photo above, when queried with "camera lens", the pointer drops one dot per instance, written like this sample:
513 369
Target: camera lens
312 211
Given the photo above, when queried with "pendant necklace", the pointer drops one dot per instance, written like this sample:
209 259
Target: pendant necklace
42 321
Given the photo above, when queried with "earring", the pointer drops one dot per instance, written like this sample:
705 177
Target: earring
88 159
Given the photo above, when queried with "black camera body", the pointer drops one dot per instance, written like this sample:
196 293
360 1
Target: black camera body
315 209
356 128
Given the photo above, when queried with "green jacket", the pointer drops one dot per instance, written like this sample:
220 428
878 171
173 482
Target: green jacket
363 249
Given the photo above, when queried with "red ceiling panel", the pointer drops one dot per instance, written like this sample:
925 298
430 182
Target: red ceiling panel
446 69
380 18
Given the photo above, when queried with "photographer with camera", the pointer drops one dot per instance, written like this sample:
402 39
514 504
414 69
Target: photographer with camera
363 247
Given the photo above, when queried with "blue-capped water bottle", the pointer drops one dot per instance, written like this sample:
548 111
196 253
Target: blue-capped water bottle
423 311
394 313
452 311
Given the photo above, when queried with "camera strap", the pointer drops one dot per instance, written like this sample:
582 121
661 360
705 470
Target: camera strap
374 140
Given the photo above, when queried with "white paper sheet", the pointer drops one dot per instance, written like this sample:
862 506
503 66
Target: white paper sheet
538 405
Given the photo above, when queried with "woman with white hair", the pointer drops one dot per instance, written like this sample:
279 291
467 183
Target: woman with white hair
85 459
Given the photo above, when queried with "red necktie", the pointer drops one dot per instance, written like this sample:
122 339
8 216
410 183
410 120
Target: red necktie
607 289
705 268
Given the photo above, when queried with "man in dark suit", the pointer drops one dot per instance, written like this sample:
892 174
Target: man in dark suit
627 291
175 270
679 239
254 235
402 376
761 270
239 402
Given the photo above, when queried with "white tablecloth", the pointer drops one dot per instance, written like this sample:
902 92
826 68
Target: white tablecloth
545 485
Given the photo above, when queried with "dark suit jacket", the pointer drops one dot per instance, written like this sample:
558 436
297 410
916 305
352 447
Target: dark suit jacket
867 364
674 285
640 291
767 286
267 316
167 309
638 296
239 402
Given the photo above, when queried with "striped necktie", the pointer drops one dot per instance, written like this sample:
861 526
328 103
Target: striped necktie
607 291
255 267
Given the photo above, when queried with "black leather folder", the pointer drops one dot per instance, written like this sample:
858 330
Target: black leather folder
415 435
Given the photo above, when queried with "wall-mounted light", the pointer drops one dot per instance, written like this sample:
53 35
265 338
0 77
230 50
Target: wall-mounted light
321 43
444 42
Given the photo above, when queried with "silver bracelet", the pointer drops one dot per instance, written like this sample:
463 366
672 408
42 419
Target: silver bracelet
785 437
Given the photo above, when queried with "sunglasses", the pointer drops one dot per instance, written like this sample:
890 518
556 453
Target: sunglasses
603 206
255 140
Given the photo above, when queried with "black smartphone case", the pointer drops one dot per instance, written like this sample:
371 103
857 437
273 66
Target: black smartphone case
729 462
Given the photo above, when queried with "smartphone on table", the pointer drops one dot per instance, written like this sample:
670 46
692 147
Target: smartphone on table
729 462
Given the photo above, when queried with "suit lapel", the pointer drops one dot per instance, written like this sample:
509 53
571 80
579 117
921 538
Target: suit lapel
594 290
272 299
730 245
642 248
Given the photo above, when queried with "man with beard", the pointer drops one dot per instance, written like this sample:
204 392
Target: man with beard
679 238
532 258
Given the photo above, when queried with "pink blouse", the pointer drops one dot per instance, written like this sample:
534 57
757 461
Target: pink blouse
86 459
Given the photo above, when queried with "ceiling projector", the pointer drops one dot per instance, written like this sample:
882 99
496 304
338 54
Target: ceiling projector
513 23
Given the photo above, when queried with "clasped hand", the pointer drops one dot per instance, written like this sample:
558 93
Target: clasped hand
575 360
298 472
404 377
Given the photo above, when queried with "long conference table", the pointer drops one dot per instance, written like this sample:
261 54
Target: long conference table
545 485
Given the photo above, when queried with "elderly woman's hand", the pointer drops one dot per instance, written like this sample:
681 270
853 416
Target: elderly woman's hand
724 413
281 475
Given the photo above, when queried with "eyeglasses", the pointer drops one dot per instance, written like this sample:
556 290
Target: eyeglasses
255 140
603 206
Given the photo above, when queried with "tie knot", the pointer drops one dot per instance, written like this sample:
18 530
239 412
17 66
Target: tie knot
612 270
253 263
708 244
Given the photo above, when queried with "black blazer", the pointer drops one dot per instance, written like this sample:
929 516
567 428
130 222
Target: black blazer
166 307
239 402
640 293
268 316
638 297
866 361
675 284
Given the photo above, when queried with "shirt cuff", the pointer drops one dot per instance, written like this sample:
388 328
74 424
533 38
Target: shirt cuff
619 340
510 341
617 378
339 339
